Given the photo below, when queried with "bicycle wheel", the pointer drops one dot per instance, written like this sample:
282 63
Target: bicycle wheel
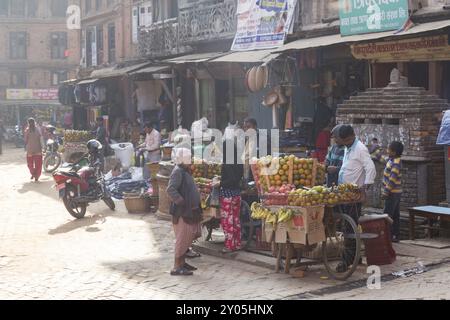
341 248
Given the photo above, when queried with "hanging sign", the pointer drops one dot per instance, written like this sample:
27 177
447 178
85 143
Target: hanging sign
364 16
432 48
263 24
31 94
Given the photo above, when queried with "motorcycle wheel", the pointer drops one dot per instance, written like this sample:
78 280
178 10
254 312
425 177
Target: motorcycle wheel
52 162
110 203
76 210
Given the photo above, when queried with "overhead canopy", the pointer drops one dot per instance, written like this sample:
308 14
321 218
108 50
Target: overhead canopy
195 58
247 57
151 69
337 38
87 81
117 72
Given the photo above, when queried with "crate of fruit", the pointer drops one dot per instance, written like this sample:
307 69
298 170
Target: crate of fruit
288 170
77 136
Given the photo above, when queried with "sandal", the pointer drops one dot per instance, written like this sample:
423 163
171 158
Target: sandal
181 272
187 266
192 254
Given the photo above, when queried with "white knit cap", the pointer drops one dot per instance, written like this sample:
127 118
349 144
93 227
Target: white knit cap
182 156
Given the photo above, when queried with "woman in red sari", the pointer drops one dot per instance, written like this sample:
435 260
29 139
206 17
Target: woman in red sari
33 146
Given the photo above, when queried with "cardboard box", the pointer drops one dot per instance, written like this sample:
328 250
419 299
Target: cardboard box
281 232
268 231
307 226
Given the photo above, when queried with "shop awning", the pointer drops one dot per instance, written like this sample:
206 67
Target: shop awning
195 58
151 69
117 72
338 39
87 81
255 56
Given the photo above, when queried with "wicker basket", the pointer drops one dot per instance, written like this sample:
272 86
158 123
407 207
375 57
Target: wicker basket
138 204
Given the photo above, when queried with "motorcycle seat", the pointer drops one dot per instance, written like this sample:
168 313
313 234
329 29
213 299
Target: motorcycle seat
70 174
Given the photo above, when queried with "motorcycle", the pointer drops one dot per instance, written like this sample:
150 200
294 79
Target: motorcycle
80 184
52 159
18 139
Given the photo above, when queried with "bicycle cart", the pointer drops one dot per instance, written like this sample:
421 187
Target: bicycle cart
340 252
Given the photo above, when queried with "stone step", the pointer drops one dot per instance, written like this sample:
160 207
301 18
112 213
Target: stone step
390 97
397 101
409 108
394 92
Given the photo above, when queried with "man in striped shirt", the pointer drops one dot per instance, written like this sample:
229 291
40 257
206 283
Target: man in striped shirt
392 185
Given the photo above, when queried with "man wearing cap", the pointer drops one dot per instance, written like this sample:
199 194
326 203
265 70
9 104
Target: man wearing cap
357 168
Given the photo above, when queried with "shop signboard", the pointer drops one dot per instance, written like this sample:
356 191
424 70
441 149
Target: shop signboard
430 48
31 94
263 24
363 16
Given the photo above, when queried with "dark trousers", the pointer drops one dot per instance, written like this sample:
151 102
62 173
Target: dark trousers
354 211
392 208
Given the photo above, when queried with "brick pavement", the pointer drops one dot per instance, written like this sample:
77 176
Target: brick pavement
46 254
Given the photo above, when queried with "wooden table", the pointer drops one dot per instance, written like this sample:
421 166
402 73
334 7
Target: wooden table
429 212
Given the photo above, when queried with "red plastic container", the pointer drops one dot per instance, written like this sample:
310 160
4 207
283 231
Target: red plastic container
379 251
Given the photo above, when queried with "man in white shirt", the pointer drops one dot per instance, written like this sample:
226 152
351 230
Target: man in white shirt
357 168
152 146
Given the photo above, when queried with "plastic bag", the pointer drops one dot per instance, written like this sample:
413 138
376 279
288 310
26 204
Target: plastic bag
199 125
136 173
230 131
444 132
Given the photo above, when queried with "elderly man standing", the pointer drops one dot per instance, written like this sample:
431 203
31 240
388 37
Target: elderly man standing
357 168
152 146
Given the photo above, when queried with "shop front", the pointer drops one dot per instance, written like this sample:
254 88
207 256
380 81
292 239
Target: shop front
41 104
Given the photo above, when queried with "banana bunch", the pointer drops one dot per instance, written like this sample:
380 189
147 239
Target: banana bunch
272 217
285 215
259 212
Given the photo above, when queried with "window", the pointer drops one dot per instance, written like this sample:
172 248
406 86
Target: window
109 3
59 8
98 4
87 6
90 37
58 45
99 45
18 79
32 8
18 45
58 77
111 43
4 7
18 8
164 9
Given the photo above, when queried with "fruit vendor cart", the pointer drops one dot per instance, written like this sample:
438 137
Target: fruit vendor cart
75 144
307 221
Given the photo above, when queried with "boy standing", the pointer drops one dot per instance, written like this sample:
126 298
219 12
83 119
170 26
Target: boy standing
392 187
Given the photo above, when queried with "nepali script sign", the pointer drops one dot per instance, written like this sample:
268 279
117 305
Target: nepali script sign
263 24
431 48
368 16
31 94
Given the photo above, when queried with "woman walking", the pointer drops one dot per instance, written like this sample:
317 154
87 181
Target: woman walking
33 146
230 198
185 210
